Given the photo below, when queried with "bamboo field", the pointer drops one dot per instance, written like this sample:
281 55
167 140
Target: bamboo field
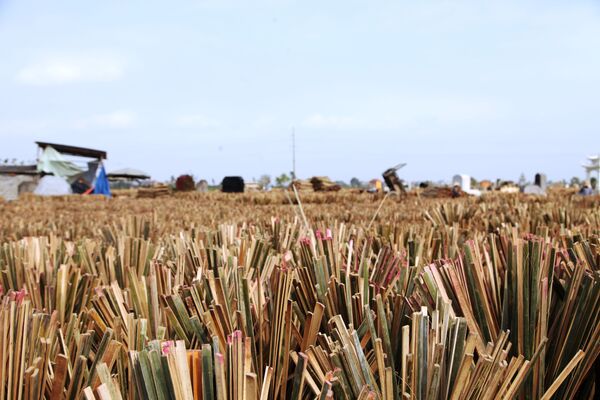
335 295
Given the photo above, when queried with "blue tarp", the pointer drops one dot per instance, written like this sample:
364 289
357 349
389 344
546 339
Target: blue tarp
102 186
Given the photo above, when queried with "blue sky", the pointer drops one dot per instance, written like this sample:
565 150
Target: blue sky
491 89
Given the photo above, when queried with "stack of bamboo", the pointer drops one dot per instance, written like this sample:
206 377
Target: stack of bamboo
153 192
482 300
324 184
302 185
440 193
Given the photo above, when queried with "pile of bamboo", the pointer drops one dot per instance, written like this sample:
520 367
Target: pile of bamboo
227 297
153 192
440 193
303 185
324 184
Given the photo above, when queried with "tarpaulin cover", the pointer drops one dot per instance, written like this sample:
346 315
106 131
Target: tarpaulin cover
51 185
87 176
52 162
102 186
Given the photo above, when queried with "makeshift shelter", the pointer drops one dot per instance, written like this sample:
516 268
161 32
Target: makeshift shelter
80 179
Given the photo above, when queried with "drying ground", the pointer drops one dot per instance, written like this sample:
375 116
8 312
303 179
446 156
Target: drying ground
252 296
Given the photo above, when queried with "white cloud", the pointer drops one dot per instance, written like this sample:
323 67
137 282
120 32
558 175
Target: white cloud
116 119
196 121
63 70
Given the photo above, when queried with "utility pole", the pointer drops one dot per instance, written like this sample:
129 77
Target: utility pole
293 153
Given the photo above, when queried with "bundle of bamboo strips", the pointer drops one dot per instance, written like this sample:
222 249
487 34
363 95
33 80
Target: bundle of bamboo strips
153 192
451 301
323 184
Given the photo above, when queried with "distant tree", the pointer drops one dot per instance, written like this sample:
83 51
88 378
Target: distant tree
474 182
282 179
575 181
355 182
264 181
593 182
342 184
